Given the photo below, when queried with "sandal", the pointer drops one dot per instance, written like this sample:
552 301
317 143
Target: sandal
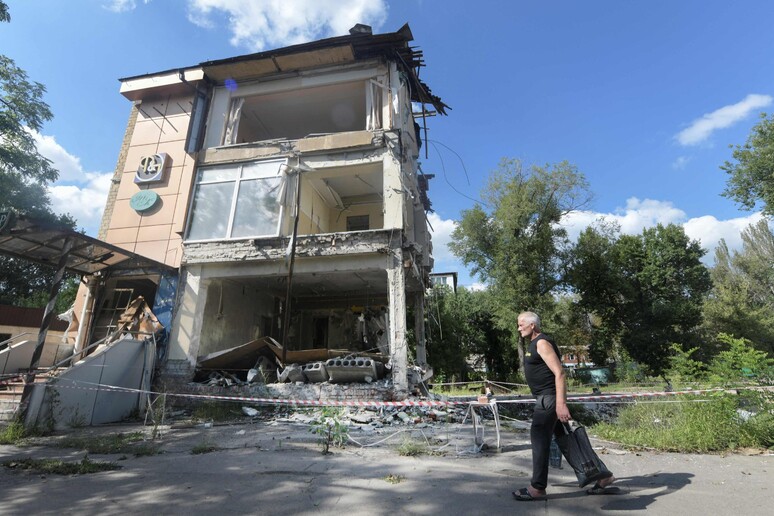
522 495
607 490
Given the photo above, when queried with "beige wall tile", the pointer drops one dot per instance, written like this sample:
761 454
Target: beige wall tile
129 246
152 233
156 250
127 188
175 128
123 215
121 236
174 251
160 214
146 132
175 150
171 183
179 106
154 109
178 221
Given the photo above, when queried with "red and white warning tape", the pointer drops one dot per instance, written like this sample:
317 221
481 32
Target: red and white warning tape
356 403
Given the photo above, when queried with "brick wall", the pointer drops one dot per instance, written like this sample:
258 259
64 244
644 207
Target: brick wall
116 181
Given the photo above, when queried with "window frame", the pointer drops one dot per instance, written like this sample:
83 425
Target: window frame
237 181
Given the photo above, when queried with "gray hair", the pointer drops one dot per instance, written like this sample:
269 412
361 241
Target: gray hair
530 317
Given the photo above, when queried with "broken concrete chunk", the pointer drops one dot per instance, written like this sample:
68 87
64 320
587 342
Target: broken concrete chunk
249 411
292 373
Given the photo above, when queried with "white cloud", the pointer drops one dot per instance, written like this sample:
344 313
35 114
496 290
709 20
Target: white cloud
647 213
445 261
277 23
69 166
637 214
120 6
681 162
85 202
701 128
80 193
708 230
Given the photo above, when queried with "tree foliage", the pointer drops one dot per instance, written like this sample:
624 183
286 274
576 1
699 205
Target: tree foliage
462 337
646 289
751 179
24 174
731 364
513 240
741 302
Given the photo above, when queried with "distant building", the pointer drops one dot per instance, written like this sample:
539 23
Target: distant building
21 323
444 278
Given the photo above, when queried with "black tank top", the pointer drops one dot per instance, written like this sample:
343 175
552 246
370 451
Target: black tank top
540 378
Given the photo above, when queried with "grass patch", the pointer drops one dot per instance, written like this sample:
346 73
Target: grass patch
394 479
203 448
14 433
132 443
59 467
695 426
216 411
411 448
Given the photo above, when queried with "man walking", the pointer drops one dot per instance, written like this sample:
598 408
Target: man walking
545 377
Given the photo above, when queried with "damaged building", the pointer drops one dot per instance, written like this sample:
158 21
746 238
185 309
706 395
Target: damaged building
282 192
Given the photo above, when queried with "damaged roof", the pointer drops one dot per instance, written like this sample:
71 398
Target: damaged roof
44 242
359 45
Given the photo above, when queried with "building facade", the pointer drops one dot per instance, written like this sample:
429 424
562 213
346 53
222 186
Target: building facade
284 191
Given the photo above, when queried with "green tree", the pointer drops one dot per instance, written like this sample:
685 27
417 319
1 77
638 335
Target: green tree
571 327
24 173
595 273
741 302
647 289
751 180
513 240
462 336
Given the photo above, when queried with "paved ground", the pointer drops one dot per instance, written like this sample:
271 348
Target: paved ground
277 468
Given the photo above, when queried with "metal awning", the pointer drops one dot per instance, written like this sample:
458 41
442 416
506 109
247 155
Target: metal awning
43 242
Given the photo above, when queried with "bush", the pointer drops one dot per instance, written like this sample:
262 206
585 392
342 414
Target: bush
683 368
14 433
694 425
729 366
330 428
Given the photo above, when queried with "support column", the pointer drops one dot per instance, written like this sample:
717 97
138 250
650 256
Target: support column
396 284
187 327
84 321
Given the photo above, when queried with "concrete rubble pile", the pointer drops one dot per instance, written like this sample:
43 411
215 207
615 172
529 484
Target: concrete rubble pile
260 362
371 419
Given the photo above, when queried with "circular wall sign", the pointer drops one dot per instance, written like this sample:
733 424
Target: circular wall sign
144 200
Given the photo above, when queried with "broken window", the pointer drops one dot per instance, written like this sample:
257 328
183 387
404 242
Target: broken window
237 201
293 113
357 223
351 197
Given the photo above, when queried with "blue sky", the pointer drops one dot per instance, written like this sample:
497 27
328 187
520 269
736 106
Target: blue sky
643 96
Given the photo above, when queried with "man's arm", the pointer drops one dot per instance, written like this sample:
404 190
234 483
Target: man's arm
549 356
